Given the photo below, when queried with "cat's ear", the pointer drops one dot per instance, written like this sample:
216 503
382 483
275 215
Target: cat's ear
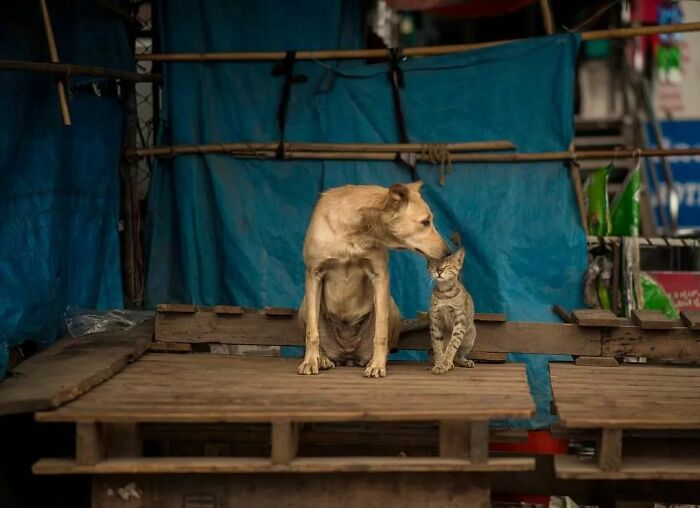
459 255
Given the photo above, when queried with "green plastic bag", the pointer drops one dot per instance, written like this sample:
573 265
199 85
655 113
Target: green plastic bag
625 207
655 298
598 211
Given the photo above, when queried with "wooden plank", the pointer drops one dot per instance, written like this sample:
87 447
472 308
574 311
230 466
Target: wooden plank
253 328
170 347
209 388
691 318
596 361
684 468
596 317
176 307
679 343
285 441
484 356
652 319
352 490
563 314
71 367
205 465
491 318
454 439
609 449
228 309
279 311
89 443
479 441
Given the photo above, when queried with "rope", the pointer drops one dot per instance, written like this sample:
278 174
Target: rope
437 153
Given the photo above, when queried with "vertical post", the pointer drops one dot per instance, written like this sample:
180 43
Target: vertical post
479 441
609 449
454 442
53 54
89 443
578 191
547 18
285 441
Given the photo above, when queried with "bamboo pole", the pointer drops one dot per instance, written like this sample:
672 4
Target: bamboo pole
53 55
547 17
266 151
66 69
615 33
391 149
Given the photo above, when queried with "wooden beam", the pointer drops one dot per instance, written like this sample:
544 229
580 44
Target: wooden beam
596 361
615 33
691 318
285 441
89 443
609 449
53 54
652 319
66 69
563 314
678 343
596 318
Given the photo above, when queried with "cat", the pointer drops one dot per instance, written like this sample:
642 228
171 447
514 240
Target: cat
451 314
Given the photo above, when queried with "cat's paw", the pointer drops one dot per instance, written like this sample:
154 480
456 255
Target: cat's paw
325 364
465 362
439 369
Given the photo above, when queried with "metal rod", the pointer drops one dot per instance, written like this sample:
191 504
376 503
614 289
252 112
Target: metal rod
53 55
66 69
615 33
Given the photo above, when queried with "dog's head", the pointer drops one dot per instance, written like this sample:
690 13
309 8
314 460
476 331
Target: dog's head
408 219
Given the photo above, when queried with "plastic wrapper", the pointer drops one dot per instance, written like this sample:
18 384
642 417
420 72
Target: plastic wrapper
84 322
655 298
625 207
597 207
596 283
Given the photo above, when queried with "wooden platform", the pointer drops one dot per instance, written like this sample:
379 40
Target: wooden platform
629 397
71 367
213 388
202 389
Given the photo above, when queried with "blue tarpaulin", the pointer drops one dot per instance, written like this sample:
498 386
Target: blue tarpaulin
59 186
230 231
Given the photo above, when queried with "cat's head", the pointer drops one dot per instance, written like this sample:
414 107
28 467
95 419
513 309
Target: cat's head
447 268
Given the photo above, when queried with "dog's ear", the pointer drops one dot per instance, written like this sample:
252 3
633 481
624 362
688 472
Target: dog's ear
398 196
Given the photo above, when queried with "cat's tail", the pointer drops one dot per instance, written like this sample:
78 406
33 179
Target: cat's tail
409 325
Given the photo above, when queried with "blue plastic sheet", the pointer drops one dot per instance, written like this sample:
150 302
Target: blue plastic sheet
230 231
59 186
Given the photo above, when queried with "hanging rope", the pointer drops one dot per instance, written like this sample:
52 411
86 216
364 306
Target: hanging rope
437 153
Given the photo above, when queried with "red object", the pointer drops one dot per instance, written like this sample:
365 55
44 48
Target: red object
682 287
481 8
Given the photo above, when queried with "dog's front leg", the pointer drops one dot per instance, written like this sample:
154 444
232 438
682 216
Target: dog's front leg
311 340
380 280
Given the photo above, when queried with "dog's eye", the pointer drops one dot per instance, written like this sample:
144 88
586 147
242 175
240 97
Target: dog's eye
425 222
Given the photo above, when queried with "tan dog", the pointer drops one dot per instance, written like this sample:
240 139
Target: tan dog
347 312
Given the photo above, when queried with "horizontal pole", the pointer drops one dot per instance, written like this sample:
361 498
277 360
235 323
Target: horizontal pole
66 69
266 151
615 33
255 148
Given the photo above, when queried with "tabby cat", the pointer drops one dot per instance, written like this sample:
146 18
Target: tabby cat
451 314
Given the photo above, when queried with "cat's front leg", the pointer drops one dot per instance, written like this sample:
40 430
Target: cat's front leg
436 339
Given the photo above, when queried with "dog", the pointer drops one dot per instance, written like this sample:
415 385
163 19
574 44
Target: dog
347 313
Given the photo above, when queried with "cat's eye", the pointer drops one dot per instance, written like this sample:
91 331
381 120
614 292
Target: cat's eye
425 222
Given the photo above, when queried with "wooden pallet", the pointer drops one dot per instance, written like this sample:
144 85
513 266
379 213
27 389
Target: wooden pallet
204 389
616 401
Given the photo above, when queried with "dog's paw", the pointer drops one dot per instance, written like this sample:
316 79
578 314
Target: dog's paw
465 362
309 366
439 369
325 363
375 370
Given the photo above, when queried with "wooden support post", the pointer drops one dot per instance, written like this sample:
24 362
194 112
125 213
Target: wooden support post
479 441
609 449
575 175
454 442
285 441
547 17
53 54
89 443
616 277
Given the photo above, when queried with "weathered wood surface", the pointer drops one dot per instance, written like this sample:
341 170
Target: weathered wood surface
685 468
254 465
679 343
351 490
630 396
596 318
493 336
652 320
71 367
215 388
